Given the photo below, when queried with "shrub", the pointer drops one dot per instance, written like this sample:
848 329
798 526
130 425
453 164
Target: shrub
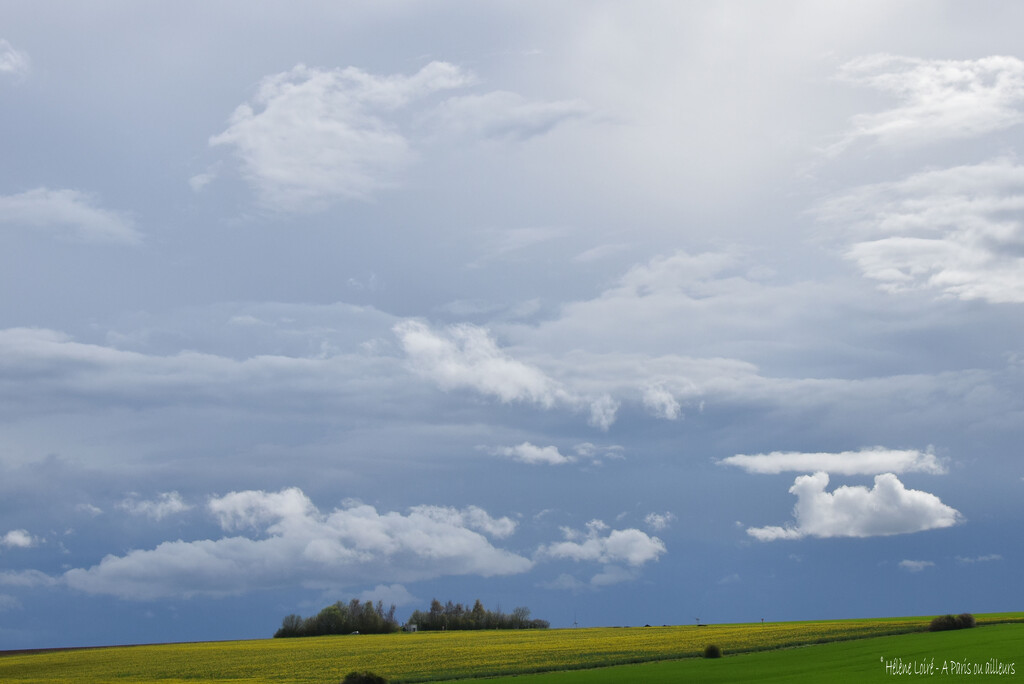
712 651
363 678
946 622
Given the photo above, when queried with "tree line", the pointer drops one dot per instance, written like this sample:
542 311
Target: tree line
456 616
357 617
342 618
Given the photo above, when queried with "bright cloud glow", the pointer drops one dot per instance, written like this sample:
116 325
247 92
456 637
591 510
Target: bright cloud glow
887 508
296 544
871 461
67 211
938 99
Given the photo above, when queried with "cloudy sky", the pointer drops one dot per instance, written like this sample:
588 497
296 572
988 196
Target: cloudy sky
625 312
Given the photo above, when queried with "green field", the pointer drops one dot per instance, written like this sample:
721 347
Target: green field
863 660
568 655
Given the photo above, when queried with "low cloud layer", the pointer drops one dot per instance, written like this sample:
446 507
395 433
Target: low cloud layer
281 539
887 508
293 543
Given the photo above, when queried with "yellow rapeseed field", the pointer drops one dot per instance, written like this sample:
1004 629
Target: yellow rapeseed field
429 655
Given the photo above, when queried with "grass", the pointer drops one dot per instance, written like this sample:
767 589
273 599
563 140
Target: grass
863 660
440 655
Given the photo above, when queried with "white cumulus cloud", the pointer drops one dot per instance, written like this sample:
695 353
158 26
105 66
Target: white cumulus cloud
530 453
67 211
868 461
472 517
294 543
466 356
887 508
630 546
18 539
659 521
661 402
312 136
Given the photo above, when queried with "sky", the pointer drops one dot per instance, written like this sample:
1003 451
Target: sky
629 313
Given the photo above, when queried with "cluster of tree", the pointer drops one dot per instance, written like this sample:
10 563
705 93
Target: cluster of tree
342 618
944 622
457 616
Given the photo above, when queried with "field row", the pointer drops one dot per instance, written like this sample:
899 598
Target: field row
430 656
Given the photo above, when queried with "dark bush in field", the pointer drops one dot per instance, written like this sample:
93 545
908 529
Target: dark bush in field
713 651
945 622
363 678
